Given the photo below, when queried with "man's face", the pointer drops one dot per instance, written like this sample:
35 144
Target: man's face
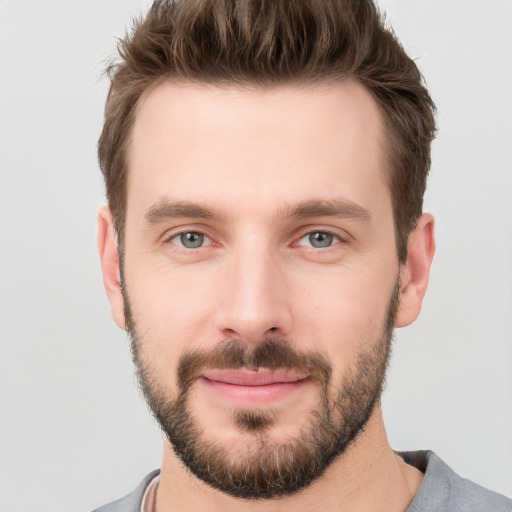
260 276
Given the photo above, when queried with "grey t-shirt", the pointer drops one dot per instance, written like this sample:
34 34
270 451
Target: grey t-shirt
442 490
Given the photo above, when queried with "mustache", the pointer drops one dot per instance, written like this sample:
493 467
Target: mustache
271 354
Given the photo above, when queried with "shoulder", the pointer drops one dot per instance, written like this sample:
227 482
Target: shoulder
444 490
133 501
467 495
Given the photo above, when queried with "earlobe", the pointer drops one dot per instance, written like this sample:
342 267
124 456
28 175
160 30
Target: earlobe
414 273
109 258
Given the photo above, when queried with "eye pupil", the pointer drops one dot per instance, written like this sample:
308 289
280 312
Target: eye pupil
320 239
192 240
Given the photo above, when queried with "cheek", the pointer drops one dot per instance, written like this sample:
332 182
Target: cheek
171 312
169 297
344 314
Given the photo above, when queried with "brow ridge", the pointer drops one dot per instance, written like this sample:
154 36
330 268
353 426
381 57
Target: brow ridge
327 208
165 209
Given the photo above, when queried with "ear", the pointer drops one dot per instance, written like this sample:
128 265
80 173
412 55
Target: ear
109 258
414 273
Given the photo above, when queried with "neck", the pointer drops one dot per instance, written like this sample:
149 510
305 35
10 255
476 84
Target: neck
368 476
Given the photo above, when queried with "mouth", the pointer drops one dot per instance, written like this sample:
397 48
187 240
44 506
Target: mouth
249 389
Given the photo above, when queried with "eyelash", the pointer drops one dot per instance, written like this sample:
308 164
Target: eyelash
338 239
172 236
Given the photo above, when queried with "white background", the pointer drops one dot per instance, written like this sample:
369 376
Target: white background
74 433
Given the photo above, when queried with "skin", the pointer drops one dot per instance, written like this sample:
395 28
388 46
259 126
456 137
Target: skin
251 158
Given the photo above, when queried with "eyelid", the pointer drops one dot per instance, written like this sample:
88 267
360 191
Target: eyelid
177 231
340 234
336 240
207 241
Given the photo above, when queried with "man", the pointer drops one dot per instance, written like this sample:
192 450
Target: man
265 165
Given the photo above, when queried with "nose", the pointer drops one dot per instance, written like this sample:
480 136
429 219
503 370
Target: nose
254 303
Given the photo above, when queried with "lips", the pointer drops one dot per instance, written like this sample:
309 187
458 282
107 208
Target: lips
247 378
249 389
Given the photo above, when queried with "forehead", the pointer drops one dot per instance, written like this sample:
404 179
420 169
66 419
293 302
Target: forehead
220 144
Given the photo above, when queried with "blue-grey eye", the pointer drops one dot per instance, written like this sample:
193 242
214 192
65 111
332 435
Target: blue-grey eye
190 239
319 239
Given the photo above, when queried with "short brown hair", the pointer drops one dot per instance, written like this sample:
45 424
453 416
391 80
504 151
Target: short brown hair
264 43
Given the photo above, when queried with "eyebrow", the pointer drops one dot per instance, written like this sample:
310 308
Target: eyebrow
327 208
165 210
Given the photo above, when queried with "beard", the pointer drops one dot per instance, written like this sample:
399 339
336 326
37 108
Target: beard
264 468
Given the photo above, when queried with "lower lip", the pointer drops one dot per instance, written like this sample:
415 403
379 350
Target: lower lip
250 396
